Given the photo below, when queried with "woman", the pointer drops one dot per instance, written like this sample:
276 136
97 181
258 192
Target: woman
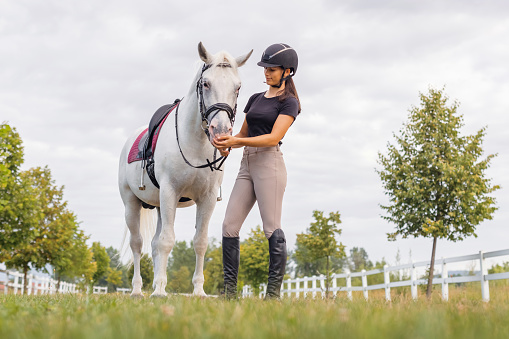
262 174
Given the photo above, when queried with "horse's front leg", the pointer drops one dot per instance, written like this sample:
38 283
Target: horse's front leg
132 218
164 240
204 210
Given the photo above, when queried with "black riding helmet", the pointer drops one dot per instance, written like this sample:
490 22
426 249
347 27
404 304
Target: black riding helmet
280 55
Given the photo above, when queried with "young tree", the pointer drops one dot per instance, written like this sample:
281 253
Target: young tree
254 259
320 241
102 260
114 276
435 178
306 265
47 234
19 207
81 261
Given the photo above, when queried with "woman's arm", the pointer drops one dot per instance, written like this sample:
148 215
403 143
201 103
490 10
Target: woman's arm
281 126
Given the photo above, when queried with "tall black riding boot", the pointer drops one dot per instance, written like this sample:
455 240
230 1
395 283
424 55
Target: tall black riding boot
231 258
277 264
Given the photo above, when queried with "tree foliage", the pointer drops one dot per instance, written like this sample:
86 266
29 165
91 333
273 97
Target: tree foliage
434 177
102 260
254 259
19 207
320 241
146 271
213 271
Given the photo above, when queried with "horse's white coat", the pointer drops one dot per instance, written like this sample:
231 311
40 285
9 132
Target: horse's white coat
177 179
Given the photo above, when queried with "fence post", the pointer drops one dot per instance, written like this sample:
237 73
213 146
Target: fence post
413 278
364 284
297 288
485 285
16 283
387 282
445 284
6 286
349 285
322 286
30 284
313 285
334 284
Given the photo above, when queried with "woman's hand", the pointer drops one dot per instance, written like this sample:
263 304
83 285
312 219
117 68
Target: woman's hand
224 151
224 141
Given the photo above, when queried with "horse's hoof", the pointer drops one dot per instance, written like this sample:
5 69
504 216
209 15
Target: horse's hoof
201 295
159 295
137 295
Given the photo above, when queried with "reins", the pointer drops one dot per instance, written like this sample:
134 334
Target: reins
208 164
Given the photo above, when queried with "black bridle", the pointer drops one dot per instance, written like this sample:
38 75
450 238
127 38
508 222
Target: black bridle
205 113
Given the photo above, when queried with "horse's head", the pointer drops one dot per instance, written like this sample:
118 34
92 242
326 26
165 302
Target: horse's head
218 88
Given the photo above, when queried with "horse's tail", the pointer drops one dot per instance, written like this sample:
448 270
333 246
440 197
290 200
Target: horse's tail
148 225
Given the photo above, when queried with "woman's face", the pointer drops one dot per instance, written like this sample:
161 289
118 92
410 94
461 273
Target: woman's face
273 75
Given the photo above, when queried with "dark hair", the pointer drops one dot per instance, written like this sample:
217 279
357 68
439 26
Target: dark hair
289 91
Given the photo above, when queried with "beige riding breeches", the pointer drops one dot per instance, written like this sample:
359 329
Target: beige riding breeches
262 179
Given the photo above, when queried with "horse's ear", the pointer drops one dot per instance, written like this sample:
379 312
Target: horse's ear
241 60
204 55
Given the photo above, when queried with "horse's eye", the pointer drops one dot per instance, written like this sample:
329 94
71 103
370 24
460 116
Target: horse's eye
237 90
206 85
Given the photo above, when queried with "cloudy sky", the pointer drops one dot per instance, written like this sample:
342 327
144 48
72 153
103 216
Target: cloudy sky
78 77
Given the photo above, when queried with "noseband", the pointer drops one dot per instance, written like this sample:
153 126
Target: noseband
218 107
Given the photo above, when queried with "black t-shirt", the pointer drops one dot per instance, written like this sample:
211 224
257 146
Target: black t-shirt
262 112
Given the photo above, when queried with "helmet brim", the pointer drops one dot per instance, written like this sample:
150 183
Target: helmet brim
266 64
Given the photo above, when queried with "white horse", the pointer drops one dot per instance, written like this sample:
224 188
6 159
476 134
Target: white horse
183 145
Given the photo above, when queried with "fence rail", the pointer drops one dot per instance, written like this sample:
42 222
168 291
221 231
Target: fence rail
36 284
14 283
296 287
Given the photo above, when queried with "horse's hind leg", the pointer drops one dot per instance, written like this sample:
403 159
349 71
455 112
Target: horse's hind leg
204 210
132 218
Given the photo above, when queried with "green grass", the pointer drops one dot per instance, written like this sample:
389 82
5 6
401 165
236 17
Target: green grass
117 316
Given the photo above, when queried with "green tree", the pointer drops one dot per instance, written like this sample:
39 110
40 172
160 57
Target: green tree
102 260
181 282
146 271
320 241
48 233
115 275
20 210
254 259
82 260
181 255
435 178
306 265
213 271
359 260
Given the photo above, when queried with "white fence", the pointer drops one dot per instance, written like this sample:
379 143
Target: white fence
36 284
14 283
298 286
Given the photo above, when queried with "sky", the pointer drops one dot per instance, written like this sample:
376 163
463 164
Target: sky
78 77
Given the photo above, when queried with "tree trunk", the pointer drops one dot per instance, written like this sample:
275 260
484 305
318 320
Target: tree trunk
431 269
328 280
25 280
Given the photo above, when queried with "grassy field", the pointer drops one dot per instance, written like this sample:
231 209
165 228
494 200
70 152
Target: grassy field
117 316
